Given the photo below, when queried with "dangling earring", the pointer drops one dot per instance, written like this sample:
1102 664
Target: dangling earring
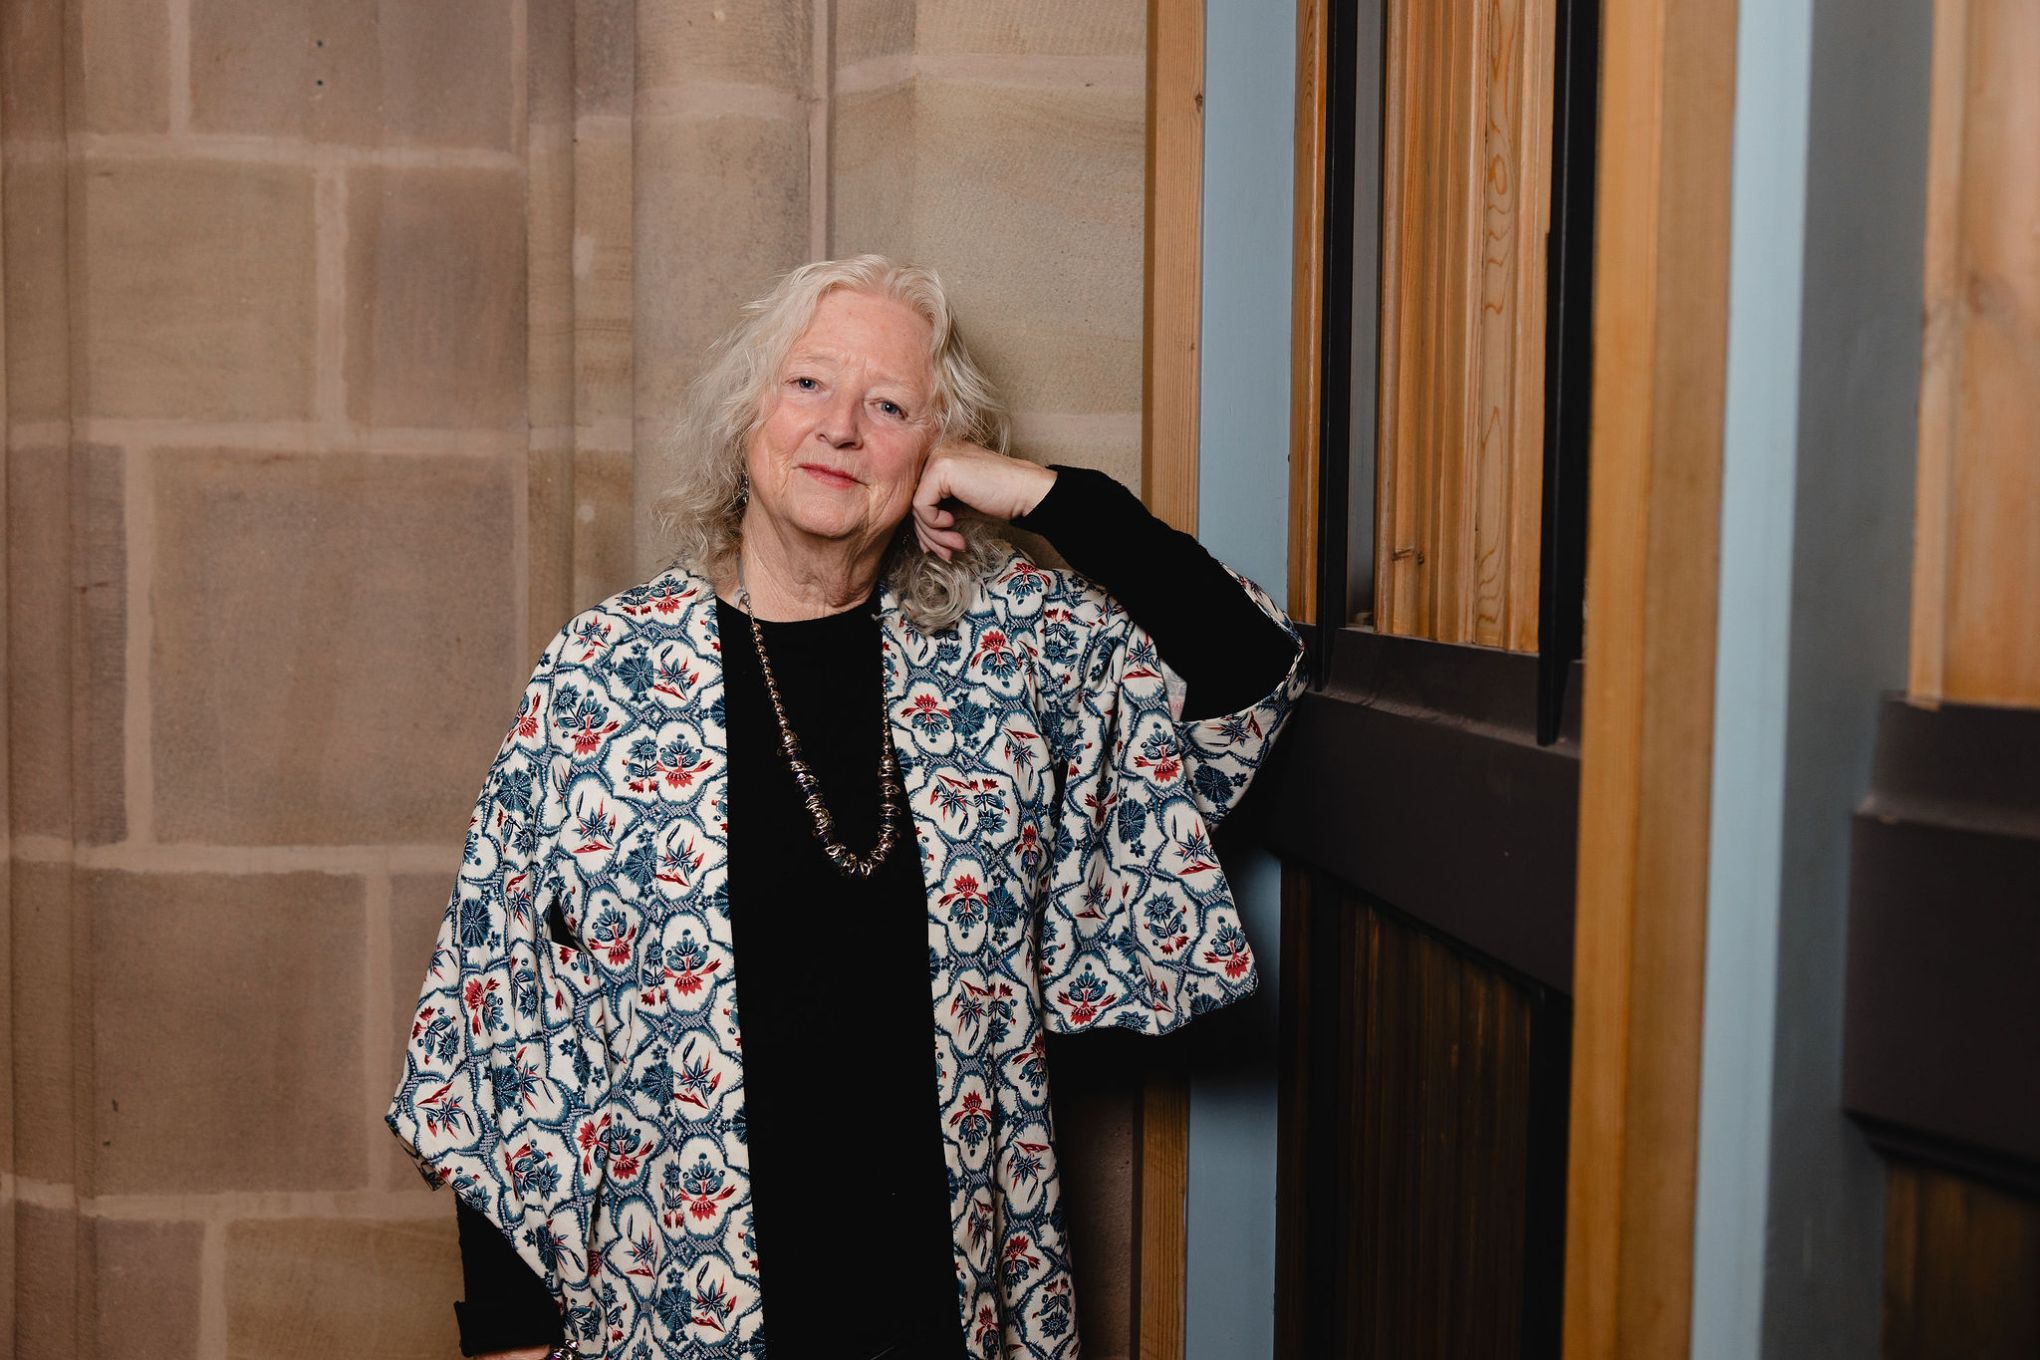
743 491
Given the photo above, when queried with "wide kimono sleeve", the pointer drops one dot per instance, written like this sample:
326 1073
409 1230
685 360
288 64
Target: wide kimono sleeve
508 1061
1137 928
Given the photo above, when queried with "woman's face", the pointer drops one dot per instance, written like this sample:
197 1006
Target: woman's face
847 429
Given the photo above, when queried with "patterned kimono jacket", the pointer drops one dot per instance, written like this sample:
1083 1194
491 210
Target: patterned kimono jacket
575 1071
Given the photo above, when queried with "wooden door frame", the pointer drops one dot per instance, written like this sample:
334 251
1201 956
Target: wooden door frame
1659 374
1172 299
1653 578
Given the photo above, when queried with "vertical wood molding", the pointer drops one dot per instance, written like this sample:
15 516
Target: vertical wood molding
1306 308
1660 328
1940 353
1174 260
1161 1188
1976 565
1466 179
1170 353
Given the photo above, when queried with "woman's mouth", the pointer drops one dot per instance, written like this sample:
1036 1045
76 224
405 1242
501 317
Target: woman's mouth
827 476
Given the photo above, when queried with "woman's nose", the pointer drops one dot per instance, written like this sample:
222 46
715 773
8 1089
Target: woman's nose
838 422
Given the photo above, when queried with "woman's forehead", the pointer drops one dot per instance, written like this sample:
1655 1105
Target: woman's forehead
888 337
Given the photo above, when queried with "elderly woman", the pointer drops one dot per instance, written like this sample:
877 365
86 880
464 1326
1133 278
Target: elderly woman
908 797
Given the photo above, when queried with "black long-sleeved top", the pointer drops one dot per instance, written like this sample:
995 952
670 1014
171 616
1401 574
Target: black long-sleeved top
897 1286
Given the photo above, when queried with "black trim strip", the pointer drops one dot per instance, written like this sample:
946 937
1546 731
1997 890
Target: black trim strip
1568 362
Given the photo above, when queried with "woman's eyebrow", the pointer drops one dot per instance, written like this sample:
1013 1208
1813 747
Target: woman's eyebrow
830 356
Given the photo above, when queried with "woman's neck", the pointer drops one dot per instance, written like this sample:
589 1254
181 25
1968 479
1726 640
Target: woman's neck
804 581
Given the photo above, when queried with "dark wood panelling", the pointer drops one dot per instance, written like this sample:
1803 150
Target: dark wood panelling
1423 1147
1415 774
1943 1026
1962 1269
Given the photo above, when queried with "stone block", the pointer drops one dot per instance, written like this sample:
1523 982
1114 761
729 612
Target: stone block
605 56
721 210
318 1287
99 589
868 29
549 553
689 41
39 654
125 68
1117 455
1045 28
335 646
549 65
605 560
199 300
66 552
32 72
872 173
227 1047
549 290
1035 224
34 285
42 1017
10 1257
146 1288
53 1289
365 72
436 298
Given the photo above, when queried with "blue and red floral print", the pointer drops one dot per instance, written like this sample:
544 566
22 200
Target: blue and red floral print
574 1069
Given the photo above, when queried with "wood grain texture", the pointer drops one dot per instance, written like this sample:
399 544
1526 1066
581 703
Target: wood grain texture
1169 410
1961 1269
1466 174
1408 1108
1174 263
1162 1182
1976 567
1306 311
1660 328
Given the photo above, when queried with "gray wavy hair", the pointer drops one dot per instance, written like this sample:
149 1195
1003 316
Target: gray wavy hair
701 513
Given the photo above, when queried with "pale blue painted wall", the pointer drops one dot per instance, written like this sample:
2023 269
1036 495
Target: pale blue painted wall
1826 246
1759 437
1242 497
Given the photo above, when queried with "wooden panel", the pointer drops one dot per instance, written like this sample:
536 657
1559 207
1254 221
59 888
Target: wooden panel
1660 328
1306 307
1466 173
1174 266
1961 1269
1976 578
1169 392
1411 1097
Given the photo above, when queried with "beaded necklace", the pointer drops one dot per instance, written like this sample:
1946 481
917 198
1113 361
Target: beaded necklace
890 792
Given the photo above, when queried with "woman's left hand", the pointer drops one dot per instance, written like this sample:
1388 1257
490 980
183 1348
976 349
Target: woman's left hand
987 482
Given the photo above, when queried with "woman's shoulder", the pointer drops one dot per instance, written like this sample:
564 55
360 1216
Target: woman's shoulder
668 600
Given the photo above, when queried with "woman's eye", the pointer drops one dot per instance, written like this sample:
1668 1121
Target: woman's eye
891 408
806 384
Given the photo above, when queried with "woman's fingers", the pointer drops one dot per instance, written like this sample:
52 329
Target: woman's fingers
969 476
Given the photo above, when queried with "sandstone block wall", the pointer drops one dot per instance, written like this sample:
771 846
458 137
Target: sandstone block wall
338 343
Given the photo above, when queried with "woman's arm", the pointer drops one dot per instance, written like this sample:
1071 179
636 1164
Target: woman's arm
1178 592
